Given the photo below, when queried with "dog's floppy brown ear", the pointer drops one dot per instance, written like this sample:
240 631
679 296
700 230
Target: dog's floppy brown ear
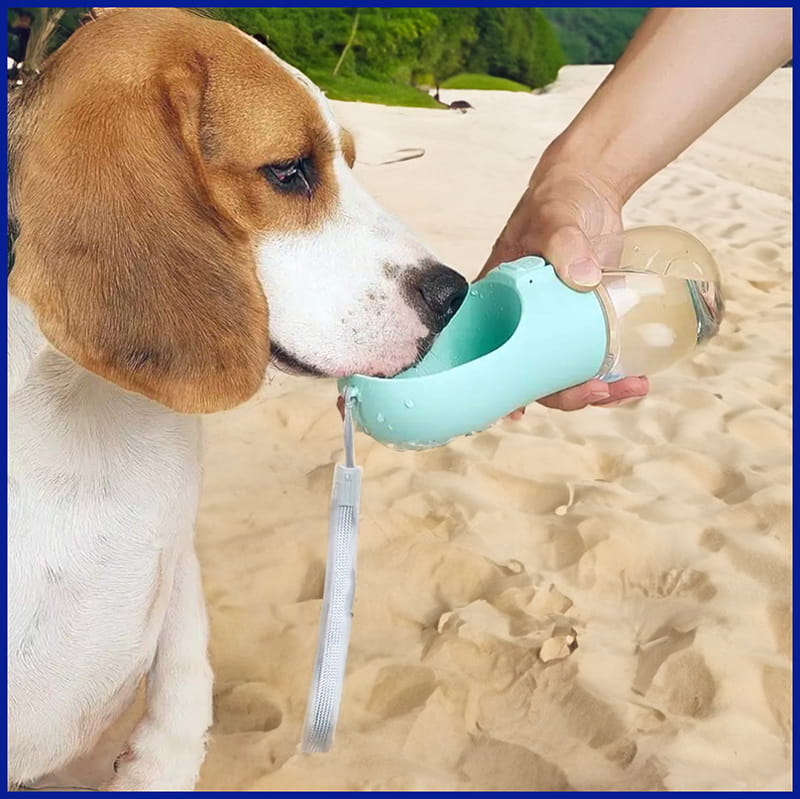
348 147
127 265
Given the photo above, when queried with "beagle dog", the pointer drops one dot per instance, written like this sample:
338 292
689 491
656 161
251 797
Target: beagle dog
182 213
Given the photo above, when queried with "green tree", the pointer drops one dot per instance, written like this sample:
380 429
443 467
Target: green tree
398 45
444 50
51 28
594 35
516 43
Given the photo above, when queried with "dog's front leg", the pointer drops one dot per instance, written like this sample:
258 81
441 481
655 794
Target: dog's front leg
167 747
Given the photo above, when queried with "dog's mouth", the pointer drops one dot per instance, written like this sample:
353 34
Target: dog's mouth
290 364
424 347
286 362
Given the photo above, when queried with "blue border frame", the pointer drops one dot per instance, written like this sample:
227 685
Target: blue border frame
398 5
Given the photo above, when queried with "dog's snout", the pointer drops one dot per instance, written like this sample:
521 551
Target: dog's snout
443 290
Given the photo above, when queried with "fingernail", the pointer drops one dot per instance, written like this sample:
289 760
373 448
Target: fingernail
585 272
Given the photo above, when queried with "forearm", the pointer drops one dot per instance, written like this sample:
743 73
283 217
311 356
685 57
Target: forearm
684 69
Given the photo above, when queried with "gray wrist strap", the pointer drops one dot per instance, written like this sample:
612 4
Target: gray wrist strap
337 602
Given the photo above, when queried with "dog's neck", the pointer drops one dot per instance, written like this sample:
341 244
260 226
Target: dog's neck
30 355
25 343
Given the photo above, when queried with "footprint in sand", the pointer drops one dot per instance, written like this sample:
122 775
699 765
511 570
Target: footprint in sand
760 427
767 253
319 479
313 582
500 766
399 689
510 491
684 583
732 230
441 459
767 567
245 707
562 545
777 684
712 539
780 622
653 652
685 685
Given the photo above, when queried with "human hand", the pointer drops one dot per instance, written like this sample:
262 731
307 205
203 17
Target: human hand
572 218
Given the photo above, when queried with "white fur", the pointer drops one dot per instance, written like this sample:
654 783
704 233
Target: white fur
348 314
102 495
104 586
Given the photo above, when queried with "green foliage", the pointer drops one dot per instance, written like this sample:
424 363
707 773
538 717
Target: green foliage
443 52
364 90
309 38
64 28
471 80
386 46
398 47
402 45
516 43
594 35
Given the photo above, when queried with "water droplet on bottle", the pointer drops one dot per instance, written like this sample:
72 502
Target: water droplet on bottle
380 418
473 293
409 403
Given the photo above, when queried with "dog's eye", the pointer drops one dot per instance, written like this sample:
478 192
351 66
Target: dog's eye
293 176
286 174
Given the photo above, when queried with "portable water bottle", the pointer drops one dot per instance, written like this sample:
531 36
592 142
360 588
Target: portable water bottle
661 298
522 334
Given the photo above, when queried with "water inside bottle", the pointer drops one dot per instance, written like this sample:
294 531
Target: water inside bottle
662 298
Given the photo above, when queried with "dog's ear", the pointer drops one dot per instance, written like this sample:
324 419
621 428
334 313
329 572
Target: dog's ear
128 266
348 147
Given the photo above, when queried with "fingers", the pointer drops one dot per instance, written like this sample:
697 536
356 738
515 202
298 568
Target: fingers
568 249
577 397
596 392
573 258
593 392
630 388
504 251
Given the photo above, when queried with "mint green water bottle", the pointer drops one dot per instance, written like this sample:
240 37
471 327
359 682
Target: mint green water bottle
522 334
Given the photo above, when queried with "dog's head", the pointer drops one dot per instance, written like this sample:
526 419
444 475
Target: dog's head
185 205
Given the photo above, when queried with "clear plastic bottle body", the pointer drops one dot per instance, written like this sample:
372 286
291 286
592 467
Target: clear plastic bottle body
661 297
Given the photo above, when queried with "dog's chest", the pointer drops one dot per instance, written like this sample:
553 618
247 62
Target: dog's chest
103 490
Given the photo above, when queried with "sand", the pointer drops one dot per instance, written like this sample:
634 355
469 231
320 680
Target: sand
657 534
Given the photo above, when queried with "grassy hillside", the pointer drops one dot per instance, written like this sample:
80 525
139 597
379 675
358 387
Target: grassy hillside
364 90
594 35
382 54
470 80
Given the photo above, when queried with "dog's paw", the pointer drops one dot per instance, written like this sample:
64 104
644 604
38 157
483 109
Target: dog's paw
155 760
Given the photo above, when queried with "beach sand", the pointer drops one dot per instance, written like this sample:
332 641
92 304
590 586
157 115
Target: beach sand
658 534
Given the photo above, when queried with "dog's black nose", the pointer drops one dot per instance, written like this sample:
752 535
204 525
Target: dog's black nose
443 290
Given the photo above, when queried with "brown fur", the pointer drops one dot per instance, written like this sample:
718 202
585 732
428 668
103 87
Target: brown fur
348 147
139 201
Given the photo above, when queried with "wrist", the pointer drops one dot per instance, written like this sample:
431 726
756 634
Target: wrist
564 171
593 157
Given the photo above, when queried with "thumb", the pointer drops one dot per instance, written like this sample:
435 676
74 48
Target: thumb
574 258
504 251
